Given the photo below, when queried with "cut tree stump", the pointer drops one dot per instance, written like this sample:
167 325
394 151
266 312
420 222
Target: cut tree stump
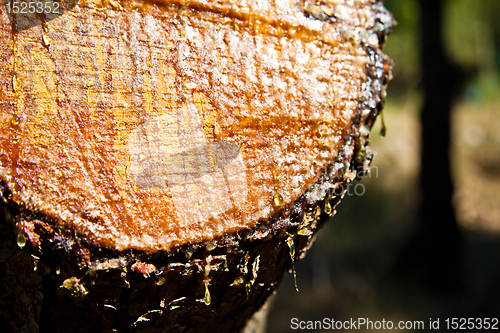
164 163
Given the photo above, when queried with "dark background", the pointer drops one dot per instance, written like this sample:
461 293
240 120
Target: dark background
423 241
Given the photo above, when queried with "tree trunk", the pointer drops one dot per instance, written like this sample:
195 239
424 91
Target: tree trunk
441 82
433 252
162 164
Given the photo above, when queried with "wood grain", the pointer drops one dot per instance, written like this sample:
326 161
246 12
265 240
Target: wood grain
146 125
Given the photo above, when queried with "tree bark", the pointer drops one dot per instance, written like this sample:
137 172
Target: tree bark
164 163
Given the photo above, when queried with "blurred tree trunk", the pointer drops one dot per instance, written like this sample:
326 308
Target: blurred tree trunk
434 250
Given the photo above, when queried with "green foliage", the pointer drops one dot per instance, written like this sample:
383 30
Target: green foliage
471 35
403 47
468 34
